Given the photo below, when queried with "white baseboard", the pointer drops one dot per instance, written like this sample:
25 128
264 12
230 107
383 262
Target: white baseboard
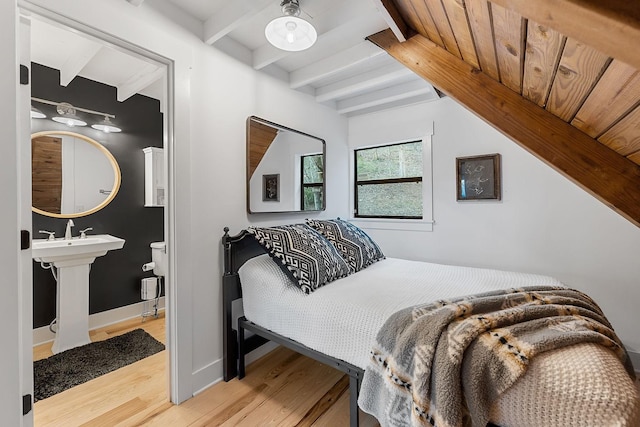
98 320
212 374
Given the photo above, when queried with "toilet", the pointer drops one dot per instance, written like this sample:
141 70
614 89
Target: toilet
159 258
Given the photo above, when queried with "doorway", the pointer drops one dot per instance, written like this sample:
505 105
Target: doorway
96 58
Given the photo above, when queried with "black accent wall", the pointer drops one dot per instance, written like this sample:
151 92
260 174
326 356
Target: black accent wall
114 278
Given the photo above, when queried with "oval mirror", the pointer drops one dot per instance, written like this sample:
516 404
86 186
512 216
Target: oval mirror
285 169
72 175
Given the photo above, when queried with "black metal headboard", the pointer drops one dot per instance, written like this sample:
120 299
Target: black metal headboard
238 249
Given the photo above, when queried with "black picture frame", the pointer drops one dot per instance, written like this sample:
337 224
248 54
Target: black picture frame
271 187
478 177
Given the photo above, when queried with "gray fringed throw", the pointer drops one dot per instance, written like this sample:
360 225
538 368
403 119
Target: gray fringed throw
443 364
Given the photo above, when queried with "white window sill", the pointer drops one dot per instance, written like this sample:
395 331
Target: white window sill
393 224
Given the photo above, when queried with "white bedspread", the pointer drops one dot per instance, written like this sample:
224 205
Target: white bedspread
581 385
342 318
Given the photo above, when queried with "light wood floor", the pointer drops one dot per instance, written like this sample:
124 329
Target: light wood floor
281 389
123 397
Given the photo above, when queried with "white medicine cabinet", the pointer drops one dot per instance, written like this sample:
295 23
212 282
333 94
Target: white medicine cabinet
154 192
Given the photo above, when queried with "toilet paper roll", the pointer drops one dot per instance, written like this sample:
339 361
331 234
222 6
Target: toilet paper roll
149 266
149 288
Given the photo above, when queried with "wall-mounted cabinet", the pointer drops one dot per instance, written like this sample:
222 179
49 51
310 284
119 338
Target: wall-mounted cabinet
154 175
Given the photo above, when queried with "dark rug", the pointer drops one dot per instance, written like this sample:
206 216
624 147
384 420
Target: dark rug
81 364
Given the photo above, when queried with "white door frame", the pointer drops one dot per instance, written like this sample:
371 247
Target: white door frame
13 384
179 355
24 213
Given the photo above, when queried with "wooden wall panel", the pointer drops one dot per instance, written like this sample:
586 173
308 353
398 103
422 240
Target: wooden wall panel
261 138
579 69
479 13
429 25
408 14
610 26
460 26
624 136
541 58
46 173
442 22
509 32
617 92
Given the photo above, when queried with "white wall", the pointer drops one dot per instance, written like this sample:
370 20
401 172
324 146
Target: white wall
544 223
10 362
218 171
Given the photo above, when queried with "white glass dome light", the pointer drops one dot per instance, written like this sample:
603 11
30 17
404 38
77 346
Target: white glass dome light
289 32
67 115
106 126
37 114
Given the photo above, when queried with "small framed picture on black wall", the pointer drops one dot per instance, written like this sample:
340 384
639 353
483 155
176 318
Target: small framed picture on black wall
478 177
271 187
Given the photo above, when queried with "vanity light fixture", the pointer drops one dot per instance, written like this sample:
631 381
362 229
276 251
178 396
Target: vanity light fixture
67 115
37 114
289 32
106 126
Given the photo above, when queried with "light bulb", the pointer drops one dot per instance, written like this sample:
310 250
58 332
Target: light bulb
291 28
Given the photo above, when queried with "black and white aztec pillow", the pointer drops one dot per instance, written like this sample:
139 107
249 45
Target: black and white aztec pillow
303 254
355 246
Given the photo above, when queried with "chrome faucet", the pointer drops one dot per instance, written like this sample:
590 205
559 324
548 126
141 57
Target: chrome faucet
52 234
67 233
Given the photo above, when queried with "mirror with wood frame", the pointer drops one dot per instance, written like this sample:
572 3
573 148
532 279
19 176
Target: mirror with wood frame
72 175
285 169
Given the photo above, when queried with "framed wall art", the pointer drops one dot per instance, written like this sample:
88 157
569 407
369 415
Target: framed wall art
271 188
478 177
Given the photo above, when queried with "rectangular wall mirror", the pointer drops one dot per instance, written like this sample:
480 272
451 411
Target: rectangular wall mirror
285 169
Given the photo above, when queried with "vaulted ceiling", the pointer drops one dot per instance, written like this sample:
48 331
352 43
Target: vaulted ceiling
559 77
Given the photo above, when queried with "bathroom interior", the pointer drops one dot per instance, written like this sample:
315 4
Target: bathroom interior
126 282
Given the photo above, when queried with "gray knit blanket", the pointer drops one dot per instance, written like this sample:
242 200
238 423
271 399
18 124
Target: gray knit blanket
443 364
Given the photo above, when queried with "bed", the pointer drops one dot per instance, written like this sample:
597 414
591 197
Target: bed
336 325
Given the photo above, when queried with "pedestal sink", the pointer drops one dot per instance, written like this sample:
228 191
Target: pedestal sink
72 258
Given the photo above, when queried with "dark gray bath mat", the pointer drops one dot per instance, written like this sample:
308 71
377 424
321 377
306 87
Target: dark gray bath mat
81 364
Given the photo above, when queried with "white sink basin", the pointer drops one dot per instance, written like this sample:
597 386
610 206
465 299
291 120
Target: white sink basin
74 251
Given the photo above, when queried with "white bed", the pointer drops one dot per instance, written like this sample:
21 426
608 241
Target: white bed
342 318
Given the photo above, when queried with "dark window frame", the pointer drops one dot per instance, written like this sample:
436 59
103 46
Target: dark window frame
303 184
357 183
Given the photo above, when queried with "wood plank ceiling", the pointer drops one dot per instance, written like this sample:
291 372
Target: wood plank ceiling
538 60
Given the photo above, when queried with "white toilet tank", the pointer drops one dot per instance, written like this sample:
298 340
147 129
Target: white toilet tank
159 258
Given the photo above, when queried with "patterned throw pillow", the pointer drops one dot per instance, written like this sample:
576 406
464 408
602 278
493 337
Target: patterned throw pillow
303 254
355 246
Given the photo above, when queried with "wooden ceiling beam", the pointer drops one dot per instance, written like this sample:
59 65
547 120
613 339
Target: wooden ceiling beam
612 26
611 178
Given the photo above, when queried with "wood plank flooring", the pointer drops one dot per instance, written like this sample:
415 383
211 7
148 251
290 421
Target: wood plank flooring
281 389
123 397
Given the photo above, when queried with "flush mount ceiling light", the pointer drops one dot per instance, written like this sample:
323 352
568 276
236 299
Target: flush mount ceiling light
106 126
37 114
67 115
289 32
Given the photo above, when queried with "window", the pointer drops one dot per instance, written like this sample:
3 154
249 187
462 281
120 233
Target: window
388 181
312 182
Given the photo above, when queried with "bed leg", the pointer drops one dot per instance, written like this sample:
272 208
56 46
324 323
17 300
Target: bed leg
241 351
354 388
